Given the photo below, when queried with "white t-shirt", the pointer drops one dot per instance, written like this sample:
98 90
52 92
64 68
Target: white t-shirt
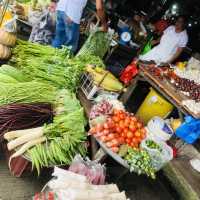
72 8
169 43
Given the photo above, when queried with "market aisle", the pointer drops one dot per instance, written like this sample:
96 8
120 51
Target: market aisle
12 188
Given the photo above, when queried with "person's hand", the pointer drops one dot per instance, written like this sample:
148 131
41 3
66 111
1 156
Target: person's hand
68 20
104 27
154 42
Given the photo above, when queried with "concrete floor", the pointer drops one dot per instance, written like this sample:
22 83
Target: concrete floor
136 187
12 188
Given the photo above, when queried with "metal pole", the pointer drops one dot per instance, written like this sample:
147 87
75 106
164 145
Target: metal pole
4 8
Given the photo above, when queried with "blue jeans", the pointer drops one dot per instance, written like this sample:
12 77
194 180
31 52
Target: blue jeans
67 33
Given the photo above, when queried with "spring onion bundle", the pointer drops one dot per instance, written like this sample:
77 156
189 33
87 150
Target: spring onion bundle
27 51
23 116
26 92
55 143
14 73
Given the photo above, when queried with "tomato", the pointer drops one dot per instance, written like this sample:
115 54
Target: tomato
125 130
121 140
137 133
134 140
143 130
129 134
134 144
122 116
118 129
132 128
115 112
115 142
123 135
128 141
127 123
116 119
111 136
99 127
139 125
121 124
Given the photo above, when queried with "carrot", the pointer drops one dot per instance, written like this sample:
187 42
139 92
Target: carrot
28 135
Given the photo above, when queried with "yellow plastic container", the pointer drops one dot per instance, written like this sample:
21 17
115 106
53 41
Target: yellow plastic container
154 105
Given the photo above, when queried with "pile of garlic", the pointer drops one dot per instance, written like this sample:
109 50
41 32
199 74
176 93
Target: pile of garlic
190 74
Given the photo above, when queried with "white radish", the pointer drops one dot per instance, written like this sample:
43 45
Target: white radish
27 146
32 134
18 133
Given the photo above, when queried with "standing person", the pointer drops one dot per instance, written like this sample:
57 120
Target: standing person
170 45
101 14
98 6
69 13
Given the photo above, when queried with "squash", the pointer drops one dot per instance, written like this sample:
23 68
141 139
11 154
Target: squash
5 52
6 38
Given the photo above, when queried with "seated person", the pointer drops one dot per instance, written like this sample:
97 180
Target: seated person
138 28
170 45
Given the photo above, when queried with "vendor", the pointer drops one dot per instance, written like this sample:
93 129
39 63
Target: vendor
170 45
138 28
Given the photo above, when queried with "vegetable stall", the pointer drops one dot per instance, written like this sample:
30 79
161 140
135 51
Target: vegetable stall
45 91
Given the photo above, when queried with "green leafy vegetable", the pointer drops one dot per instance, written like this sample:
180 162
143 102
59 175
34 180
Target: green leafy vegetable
140 162
26 92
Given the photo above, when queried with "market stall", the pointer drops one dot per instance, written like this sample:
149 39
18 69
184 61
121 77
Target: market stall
154 77
44 93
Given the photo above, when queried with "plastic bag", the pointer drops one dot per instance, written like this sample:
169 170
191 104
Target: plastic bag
10 26
147 47
189 131
94 171
159 157
129 73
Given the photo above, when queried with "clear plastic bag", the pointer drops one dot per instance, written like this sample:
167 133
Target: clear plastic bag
94 171
159 157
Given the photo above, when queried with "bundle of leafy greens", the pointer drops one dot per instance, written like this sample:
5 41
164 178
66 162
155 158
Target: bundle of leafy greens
26 92
55 143
47 66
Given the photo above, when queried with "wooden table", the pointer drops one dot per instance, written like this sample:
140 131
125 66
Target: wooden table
163 87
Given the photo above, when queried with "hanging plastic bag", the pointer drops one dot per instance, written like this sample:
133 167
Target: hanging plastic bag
94 171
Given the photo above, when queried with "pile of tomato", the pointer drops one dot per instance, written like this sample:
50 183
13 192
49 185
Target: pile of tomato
120 128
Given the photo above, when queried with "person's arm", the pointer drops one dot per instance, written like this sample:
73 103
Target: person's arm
101 14
176 55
